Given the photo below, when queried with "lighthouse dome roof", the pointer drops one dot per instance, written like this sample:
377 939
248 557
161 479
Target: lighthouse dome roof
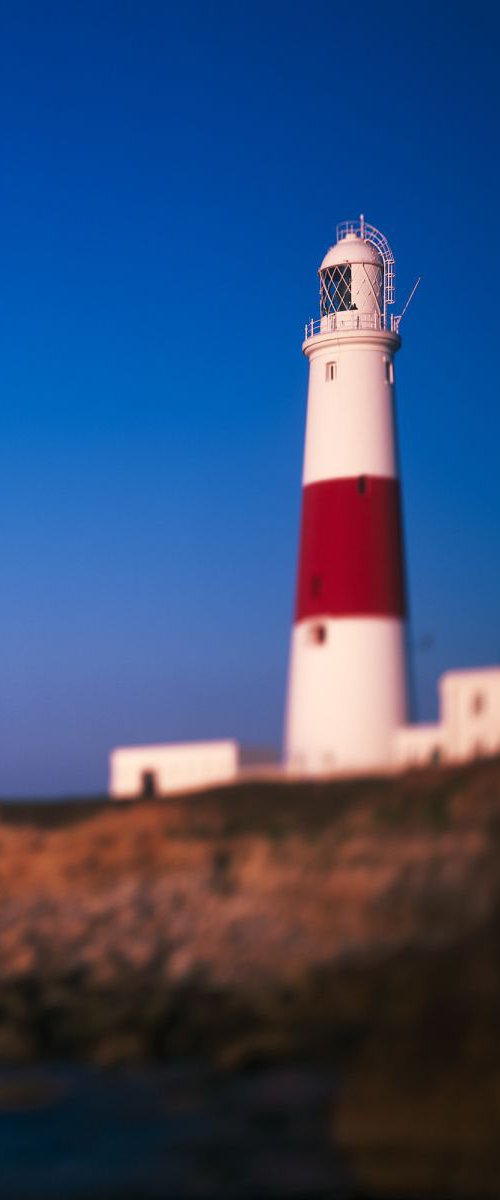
351 249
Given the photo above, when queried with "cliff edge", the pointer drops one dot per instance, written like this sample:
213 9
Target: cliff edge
349 923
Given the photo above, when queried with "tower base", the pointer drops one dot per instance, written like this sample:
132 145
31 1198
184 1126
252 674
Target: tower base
347 694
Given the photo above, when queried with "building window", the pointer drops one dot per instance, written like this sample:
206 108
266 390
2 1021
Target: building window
331 372
317 635
362 485
316 585
478 704
389 370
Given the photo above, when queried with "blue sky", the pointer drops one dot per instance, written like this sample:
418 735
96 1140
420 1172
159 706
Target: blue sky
171 178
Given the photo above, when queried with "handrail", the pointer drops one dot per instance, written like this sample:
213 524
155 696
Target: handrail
369 233
339 321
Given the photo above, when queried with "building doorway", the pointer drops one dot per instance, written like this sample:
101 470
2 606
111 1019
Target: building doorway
149 785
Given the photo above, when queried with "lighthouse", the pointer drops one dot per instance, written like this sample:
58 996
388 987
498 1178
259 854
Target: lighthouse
347 689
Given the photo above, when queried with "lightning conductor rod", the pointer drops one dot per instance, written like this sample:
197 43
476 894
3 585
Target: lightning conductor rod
408 302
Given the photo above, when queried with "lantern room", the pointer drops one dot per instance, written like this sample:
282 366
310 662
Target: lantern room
356 279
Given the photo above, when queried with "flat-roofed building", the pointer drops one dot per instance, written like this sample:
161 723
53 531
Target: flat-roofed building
469 725
470 712
161 770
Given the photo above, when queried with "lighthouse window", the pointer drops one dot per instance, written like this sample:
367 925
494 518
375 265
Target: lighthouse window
317 634
362 484
478 704
331 371
389 371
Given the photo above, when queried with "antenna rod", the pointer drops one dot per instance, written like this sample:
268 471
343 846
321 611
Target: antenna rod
410 298
362 224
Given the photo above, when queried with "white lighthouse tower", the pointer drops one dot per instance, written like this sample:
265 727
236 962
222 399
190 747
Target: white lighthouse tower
347 689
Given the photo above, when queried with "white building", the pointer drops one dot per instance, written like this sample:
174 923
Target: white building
165 769
469 725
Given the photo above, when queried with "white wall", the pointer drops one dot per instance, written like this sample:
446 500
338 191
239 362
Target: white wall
185 766
470 705
470 722
419 745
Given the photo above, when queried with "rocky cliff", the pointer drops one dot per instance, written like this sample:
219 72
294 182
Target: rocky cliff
351 923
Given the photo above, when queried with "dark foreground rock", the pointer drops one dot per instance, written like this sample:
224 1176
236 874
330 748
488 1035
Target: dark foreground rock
167 1131
351 930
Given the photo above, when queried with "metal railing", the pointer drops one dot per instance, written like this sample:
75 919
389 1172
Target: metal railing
369 233
348 320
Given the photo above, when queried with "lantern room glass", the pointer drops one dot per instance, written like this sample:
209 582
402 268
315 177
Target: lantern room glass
335 289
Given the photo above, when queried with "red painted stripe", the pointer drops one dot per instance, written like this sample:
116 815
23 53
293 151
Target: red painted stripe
351 549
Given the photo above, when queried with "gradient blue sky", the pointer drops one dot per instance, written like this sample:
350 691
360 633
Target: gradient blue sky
171 177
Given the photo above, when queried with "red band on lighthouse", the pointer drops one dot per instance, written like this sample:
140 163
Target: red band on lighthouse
351 549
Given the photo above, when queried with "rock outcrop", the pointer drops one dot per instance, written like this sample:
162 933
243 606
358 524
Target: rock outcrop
353 923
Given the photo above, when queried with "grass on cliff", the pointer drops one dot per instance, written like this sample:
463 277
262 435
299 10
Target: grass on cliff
434 799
